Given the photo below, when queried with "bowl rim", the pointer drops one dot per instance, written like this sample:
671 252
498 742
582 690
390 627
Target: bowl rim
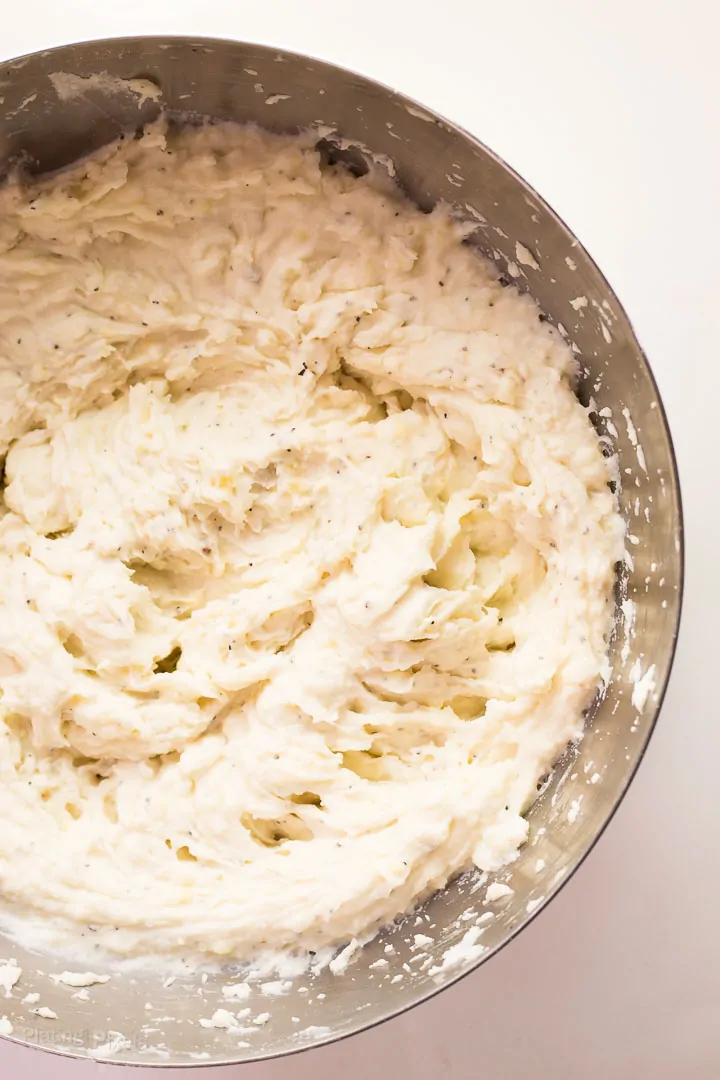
6 66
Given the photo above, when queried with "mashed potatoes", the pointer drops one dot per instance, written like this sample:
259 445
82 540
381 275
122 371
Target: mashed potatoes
306 553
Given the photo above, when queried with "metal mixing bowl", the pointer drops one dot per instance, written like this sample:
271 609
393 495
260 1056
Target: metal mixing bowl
49 123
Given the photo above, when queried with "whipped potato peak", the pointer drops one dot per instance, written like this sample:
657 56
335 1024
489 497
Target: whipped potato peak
306 549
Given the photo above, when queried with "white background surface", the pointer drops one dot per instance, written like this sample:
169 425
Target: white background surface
611 111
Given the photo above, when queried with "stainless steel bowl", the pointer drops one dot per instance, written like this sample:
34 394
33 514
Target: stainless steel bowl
49 122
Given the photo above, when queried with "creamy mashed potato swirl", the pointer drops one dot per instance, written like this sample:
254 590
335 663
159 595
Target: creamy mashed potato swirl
306 549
